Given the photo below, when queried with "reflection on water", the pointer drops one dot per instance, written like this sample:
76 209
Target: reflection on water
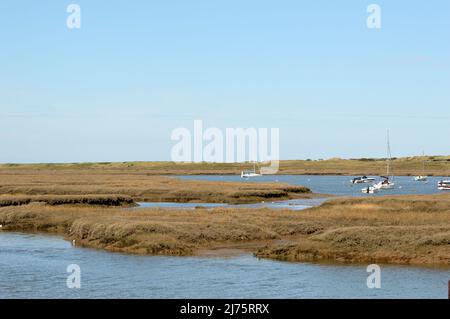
34 266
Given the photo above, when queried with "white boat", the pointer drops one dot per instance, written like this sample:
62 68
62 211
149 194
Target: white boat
251 173
423 177
444 185
361 180
370 190
387 182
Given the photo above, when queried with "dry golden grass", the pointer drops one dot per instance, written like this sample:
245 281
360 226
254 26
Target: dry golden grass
100 200
434 165
139 185
403 230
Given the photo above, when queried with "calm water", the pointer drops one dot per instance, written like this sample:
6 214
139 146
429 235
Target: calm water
332 184
335 185
294 204
34 266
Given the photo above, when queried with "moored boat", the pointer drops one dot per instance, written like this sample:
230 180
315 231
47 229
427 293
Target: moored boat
250 173
386 183
361 180
423 177
444 185
370 190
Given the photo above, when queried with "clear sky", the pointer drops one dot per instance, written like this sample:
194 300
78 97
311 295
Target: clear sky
116 88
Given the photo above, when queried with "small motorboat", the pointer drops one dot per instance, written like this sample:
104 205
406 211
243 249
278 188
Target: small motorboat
370 190
444 185
386 183
423 177
361 180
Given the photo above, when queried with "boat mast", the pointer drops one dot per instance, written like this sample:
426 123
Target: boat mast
388 155
423 163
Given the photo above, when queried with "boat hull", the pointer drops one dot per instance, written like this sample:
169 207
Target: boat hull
444 185
362 180
250 175
370 190
385 186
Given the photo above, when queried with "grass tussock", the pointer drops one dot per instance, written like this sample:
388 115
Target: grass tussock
400 230
101 200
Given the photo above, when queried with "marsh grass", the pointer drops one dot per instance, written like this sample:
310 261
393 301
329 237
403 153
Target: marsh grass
434 165
101 200
140 186
401 230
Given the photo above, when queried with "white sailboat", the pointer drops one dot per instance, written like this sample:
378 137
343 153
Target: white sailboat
250 173
423 177
387 182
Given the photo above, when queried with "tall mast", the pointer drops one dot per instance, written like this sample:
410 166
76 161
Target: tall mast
423 163
388 154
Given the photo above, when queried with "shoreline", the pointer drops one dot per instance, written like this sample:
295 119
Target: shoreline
225 252
396 230
403 229
438 165
140 187
232 251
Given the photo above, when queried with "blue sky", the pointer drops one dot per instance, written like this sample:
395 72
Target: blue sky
116 88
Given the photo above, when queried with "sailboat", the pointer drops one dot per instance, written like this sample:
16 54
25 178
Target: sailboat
423 177
444 185
249 174
387 183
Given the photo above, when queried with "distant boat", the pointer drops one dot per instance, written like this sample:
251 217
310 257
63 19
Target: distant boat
361 180
423 177
251 173
370 190
387 182
444 185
